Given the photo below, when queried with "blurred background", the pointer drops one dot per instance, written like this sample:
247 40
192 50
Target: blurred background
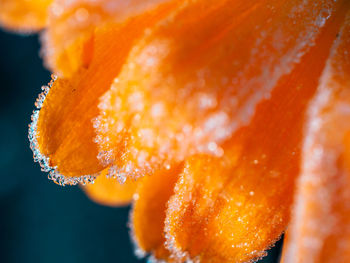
41 222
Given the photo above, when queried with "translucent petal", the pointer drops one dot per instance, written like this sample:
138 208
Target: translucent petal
320 227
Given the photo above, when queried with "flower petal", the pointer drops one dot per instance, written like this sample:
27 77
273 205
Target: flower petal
62 134
71 27
109 191
320 227
197 77
148 214
231 209
24 15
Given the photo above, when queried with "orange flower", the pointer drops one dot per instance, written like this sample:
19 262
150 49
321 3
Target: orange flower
24 15
214 115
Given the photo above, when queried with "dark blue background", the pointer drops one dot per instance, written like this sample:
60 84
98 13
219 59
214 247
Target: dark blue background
41 222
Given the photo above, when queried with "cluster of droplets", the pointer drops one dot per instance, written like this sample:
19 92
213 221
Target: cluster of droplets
126 110
43 160
108 154
116 173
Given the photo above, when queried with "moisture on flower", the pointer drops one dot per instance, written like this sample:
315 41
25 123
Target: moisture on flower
224 122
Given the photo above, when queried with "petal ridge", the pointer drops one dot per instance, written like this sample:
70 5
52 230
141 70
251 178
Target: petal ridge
319 229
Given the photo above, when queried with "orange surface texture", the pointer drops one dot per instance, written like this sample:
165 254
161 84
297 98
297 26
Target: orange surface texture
24 15
221 121
320 231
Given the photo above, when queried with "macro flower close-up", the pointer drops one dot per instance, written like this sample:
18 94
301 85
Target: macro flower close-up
225 124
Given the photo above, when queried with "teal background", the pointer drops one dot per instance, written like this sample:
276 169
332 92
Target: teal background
41 222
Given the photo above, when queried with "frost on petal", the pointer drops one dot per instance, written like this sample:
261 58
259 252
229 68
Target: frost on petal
68 39
197 77
148 214
64 132
109 191
45 143
233 208
320 227
23 15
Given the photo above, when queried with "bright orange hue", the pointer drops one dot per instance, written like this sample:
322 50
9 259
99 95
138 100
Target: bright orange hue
72 25
24 15
233 208
148 215
65 127
197 76
109 191
319 231
204 103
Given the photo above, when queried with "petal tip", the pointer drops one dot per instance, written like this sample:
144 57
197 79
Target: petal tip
41 158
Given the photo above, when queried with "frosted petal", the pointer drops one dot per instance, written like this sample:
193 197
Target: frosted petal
320 227
64 130
43 160
231 209
198 76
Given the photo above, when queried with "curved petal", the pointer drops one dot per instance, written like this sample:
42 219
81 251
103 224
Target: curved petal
320 227
109 191
197 77
62 133
24 15
71 25
148 214
233 208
